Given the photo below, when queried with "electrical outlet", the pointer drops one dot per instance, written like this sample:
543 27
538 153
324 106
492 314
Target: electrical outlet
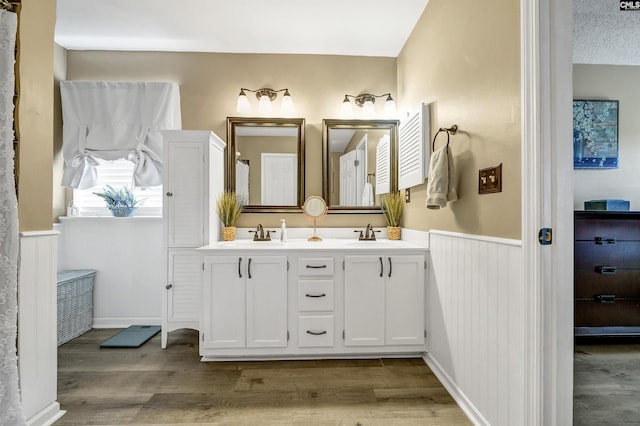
407 195
490 180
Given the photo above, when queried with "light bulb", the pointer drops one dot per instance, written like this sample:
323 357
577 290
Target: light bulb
368 108
390 106
287 103
264 104
347 109
242 105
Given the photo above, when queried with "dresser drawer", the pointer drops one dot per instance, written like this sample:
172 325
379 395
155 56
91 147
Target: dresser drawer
622 283
619 313
315 331
622 255
315 295
605 228
315 266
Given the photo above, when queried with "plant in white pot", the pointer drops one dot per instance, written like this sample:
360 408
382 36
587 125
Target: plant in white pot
121 202
392 207
228 208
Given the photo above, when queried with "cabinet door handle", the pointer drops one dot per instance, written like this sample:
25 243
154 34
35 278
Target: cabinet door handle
169 194
249 268
606 270
315 295
168 286
381 266
316 333
239 267
390 267
605 298
600 241
316 267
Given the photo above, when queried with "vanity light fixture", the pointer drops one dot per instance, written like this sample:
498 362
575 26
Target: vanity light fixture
265 97
366 102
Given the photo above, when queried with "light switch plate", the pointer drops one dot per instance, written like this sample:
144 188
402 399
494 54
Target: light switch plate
490 180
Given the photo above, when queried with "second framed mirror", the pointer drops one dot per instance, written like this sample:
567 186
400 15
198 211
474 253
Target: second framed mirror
359 163
265 162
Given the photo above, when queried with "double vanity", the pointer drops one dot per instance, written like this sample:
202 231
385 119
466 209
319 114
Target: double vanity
302 299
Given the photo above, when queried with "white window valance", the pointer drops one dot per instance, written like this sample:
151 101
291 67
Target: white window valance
113 120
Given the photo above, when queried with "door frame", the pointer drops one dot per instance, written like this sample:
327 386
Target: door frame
547 187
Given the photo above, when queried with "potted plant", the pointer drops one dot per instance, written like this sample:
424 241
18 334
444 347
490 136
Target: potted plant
121 202
228 208
392 207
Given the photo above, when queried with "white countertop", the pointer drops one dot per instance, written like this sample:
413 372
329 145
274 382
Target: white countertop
326 244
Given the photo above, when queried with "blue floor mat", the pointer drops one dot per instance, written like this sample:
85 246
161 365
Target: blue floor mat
131 337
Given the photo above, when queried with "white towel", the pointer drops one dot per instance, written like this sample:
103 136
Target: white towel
441 186
367 195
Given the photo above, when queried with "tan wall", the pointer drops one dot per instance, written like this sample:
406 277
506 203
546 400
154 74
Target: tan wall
209 86
59 192
35 112
464 57
613 82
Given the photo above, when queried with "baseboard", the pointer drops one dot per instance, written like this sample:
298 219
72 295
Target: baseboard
124 322
47 416
456 393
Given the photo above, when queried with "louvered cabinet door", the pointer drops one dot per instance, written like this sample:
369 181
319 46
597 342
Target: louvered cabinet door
184 194
414 148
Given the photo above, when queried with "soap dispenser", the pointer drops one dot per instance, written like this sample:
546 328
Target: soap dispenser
283 231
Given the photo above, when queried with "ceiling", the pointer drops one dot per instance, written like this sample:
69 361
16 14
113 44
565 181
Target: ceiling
604 34
327 27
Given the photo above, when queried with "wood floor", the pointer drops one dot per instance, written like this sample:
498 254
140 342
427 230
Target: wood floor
149 385
606 384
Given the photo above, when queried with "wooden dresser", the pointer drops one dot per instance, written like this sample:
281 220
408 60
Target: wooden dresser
607 273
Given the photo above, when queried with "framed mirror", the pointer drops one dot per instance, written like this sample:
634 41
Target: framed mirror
359 163
265 162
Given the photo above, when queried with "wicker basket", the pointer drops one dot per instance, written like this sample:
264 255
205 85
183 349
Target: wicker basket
122 211
393 232
75 303
228 233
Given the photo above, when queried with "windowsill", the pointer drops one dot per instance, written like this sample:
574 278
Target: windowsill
108 218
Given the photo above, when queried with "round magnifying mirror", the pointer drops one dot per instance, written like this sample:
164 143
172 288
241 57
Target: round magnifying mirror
314 208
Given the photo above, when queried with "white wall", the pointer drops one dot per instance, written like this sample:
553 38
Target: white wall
476 324
612 82
127 255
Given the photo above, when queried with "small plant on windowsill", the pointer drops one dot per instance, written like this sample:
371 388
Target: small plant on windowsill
228 208
392 207
121 202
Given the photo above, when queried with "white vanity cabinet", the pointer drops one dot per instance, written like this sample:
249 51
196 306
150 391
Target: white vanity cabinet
384 300
244 302
193 179
300 299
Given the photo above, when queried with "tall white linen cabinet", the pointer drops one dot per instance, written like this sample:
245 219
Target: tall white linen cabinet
193 179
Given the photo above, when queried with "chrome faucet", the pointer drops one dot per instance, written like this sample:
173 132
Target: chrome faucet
259 234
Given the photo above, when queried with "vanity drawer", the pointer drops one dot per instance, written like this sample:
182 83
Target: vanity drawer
315 331
315 295
315 266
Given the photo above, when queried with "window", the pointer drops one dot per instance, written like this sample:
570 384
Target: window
117 173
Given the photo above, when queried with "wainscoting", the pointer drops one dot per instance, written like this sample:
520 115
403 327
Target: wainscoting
476 324
37 348
127 255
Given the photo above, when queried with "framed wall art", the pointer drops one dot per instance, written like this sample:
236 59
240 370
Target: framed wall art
595 134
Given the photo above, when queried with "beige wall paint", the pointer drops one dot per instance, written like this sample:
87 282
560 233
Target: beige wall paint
35 112
464 57
209 86
611 82
59 192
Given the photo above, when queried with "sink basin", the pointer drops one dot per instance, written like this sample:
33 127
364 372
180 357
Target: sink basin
373 244
251 244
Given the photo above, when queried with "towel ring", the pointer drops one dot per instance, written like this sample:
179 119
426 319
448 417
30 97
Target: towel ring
449 130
